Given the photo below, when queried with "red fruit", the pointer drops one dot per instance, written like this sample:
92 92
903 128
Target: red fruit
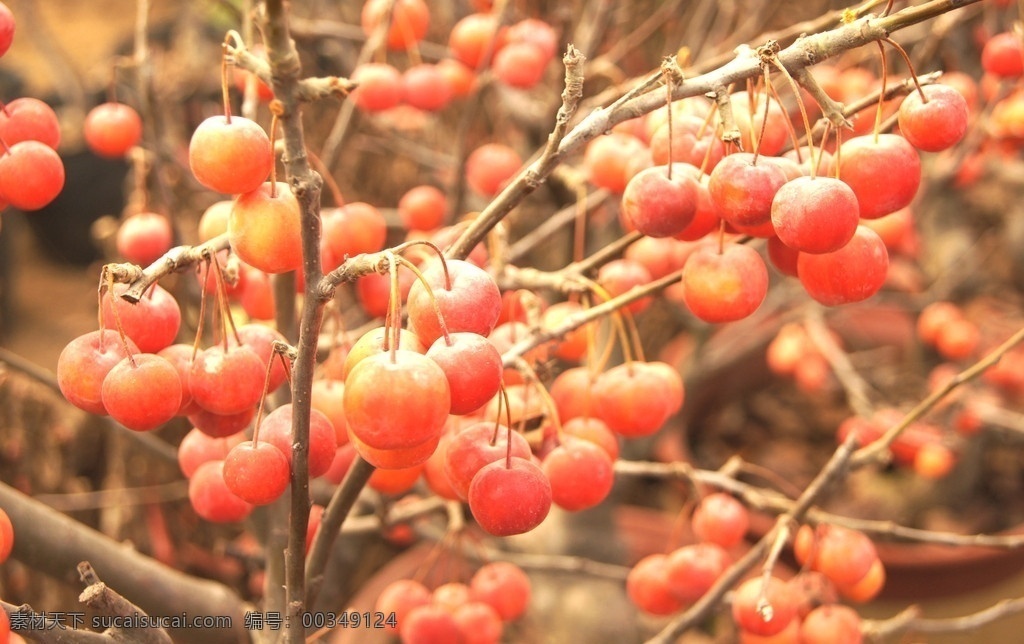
782 257
433 470
227 381
937 124
211 498
573 345
144 237
83 365
509 496
867 588
198 447
260 338
258 474
152 322
31 175
29 119
423 208
633 399
608 160
536 32
276 429
472 366
504 586
958 339
6 537
580 474
934 461
112 129
573 393
425 87
354 228
694 569
256 296
743 191
461 80
6 28
396 400
380 87
721 519
144 394
934 317
221 425
327 396
768 138
648 587
343 459
394 481
398 598
478 622
372 343
520 64
831 624
468 299
815 215
430 624
374 291
490 167
884 173
754 616
843 555
410 20
594 430
476 446
623 275
853 273
264 228
726 286
659 206
692 143
230 156
475 38
1003 55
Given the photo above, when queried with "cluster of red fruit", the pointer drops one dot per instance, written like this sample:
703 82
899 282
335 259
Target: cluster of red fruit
31 171
517 55
838 561
476 612
812 208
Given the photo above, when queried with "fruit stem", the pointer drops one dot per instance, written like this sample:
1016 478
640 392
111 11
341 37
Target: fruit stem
881 93
440 254
263 400
7 148
275 109
764 121
394 310
430 294
328 178
531 377
224 67
668 73
803 115
910 65
222 298
616 318
109 275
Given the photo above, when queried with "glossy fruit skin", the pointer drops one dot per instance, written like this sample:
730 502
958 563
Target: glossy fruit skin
226 382
721 519
472 448
853 273
831 624
632 399
354 228
144 394
938 124
7 27
198 447
221 425
211 498
607 160
83 365
509 496
276 429
743 190
1002 55
726 286
504 586
410 20
490 167
884 175
6 536
423 208
472 302
29 119
152 322
258 474
31 175
377 418
230 157
144 237
815 215
747 598
520 64
580 474
473 368
264 228
648 588
428 624
659 206
399 597
380 87
472 37
693 569
112 129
